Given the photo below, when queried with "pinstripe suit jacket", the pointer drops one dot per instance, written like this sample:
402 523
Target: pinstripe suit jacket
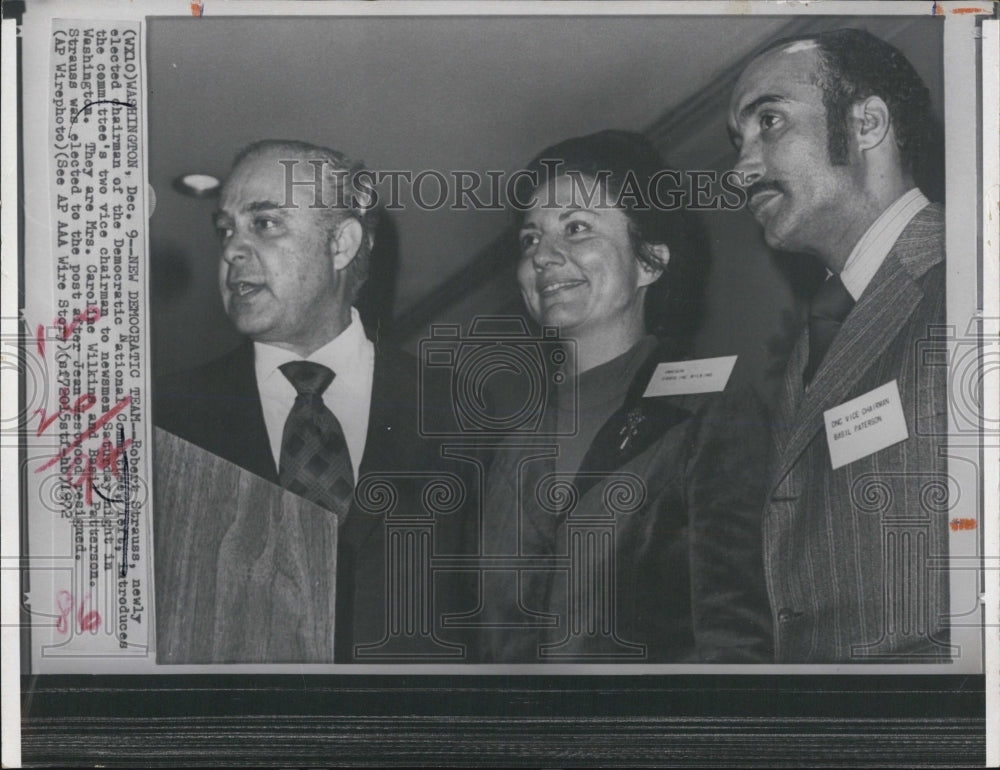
847 552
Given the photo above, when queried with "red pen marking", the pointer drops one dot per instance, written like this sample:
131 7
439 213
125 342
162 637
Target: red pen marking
104 418
197 8
108 454
968 10
81 405
88 621
91 315
962 524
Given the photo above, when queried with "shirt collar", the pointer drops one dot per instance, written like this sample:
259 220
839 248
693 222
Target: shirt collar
874 246
339 355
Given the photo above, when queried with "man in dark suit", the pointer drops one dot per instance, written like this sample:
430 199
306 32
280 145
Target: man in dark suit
308 401
831 130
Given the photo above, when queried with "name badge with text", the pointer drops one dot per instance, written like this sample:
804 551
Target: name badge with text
679 378
865 425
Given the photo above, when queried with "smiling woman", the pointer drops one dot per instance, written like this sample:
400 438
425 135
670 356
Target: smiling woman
608 188
578 271
637 515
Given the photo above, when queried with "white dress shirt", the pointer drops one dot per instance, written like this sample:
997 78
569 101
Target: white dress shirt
874 246
351 357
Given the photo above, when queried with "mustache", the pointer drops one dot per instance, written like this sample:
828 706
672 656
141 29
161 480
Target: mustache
764 186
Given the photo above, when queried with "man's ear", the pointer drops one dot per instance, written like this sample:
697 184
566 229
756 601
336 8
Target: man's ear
872 122
345 242
647 274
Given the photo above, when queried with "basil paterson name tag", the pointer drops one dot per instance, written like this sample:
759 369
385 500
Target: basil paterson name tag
865 425
680 378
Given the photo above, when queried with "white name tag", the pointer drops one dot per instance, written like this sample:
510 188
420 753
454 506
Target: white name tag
679 378
865 425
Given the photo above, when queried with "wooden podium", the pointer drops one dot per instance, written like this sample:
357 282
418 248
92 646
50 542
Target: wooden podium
245 571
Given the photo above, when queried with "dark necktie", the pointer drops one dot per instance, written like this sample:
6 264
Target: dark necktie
827 312
315 463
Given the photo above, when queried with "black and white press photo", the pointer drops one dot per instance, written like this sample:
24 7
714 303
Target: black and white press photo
505 346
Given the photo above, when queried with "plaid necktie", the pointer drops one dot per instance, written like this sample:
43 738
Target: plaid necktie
315 463
827 312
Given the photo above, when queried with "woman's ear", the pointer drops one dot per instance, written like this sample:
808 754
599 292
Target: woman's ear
345 242
647 274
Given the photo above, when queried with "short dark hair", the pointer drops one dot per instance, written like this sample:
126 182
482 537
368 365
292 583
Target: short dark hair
855 64
340 172
674 302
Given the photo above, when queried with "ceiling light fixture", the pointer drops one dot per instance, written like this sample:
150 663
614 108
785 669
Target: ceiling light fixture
197 185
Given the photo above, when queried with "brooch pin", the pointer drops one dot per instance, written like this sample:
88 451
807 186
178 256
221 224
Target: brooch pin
630 429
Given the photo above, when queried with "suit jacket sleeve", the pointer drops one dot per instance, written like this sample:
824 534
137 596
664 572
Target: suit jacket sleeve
726 485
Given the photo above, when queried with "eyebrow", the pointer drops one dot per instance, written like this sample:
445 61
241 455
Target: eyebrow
262 206
759 102
250 208
571 211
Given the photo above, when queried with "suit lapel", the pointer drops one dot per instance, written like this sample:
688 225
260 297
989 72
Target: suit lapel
883 310
633 428
392 423
791 393
391 413
247 433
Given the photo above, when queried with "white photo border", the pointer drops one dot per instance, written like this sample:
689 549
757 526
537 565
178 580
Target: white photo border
968 178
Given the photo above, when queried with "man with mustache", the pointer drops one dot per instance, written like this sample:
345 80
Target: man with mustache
832 131
308 401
